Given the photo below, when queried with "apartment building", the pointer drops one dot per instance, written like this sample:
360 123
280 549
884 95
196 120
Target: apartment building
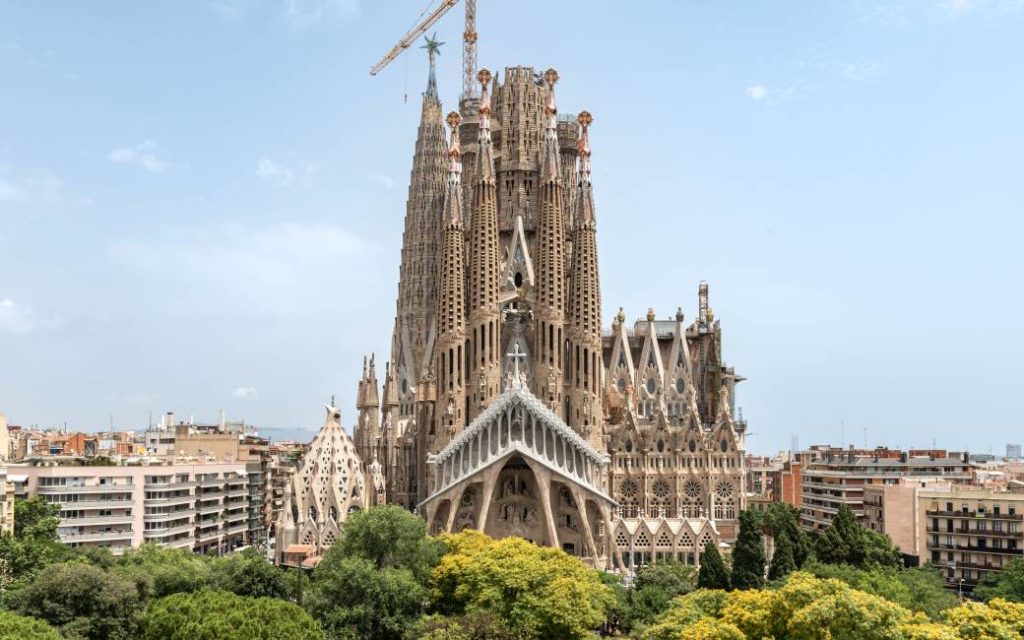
969 533
207 507
838 478
6 502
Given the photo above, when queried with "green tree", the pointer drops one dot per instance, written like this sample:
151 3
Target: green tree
919 589
782 559
389 537
781 518
372 581
654 587
538 592
159 571
879 550
480 625
34 543
248 573
82 600
748 555
15 627
352 598
1007 583
712 574
830 548
219 615
670 576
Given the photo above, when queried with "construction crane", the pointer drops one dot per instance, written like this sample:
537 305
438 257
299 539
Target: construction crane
468 43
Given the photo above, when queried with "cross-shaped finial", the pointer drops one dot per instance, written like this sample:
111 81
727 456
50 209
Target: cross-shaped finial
516 354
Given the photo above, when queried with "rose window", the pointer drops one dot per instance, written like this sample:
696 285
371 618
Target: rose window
723 489
660 488
692 489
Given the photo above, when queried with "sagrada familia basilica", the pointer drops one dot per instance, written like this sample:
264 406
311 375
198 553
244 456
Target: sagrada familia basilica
505 406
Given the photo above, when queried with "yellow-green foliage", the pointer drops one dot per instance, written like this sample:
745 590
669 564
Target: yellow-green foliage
809 608
544 592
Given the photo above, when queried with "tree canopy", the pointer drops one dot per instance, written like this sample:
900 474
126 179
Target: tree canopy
712 574
748 563
15 627
219 615
808 608
372 582
82 600
1007 583
538 592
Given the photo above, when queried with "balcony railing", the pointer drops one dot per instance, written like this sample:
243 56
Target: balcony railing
95 537
971 515
87 520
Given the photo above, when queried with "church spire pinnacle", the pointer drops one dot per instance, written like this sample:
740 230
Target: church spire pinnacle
453 196
585 202
485 153
550 169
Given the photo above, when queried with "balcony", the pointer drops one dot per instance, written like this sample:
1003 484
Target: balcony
216 483
172 515
970 515
187 498
215 507
87 520
238 493
208 536
235 517
169 486
99 536
240 528
119 490
151 534
98 504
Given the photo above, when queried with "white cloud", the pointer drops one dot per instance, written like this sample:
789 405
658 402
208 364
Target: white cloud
381 179
10 192
31 186
275 172
141 155
16 317
314 14
244 393
757 92
284 175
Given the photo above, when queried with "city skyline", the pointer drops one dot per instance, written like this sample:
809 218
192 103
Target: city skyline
155 255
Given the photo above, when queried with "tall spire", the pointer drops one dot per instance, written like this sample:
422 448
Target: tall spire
550 251
413 339
584 325
485 265
451 303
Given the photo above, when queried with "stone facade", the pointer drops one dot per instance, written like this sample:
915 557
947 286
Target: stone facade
505 407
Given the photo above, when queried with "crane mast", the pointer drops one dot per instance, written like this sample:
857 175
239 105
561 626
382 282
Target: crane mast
469 52
469 37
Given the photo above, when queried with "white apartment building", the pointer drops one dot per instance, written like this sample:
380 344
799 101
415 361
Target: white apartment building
203 506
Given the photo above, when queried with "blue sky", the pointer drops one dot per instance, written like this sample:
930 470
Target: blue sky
201 202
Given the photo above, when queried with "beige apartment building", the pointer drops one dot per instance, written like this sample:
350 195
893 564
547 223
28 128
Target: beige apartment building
839 479
969 533
206 507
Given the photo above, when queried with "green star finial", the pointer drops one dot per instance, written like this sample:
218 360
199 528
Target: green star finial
432 46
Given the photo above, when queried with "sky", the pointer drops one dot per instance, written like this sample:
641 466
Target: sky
201 202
